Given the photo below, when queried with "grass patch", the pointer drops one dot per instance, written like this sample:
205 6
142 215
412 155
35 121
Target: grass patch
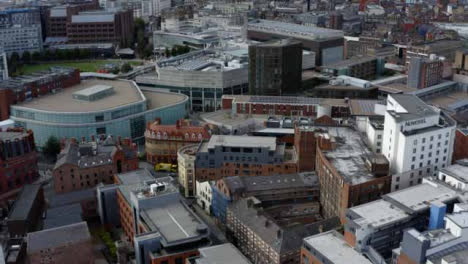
84 66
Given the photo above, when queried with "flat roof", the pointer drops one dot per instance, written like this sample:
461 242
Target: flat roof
125 92
225 253
414 107
273 182
242 142
292 100
460 218
174 221
294 30
458 171
332 245
350 62
419 197
378 213
363 107
129 181
24 203
93 90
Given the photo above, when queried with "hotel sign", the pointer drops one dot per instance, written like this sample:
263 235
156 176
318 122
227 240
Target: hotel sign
415 122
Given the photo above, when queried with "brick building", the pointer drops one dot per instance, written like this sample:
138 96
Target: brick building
262 238
460 147
58 17
66 244
26 87
424 72
82 165
163 141
349 173
285 105
154 217
18 159
107 26
223 156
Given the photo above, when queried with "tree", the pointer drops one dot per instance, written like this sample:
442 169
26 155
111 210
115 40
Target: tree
26 58
125 68
76 53
47 54
13 63
51 147
36 56
167 52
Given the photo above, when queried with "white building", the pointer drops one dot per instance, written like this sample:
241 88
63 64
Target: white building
204 195
159 5
19 39
374 133
3 66
456 175
417 138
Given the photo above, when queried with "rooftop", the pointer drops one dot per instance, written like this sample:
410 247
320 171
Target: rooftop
294 30
413 108
363 107
132 180
224 253
418 198
460 218
242 142
377 213
351 62
4 136
348 158
458 171
57 237
292 100
274 182
125 93
332 246
24 202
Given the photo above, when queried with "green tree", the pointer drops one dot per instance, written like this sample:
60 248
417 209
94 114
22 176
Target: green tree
125 68
51 147
148 50
36 56
14 63
47 54
60 54
26 58
76 53
167 52
115 70
69 54
174 51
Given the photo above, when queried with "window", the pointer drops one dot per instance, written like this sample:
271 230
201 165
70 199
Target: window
424 140
415 142
397 179
439 136
101 130
379 136
413 159
179 261
397 187
432 138
414 150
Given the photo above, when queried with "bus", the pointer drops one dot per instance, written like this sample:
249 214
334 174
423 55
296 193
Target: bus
165 167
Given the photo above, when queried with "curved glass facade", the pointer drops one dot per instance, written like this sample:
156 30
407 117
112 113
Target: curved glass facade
126 121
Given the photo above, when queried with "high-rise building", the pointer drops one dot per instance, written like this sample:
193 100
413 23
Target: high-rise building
423 72
417 139
21 38
275 67
3 66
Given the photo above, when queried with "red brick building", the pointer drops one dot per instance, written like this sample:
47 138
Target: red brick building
58 17
26 87
349 174
460 147
163 141
18 159
286 105
66 244
86 164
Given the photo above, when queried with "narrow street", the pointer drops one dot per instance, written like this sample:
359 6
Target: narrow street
216 232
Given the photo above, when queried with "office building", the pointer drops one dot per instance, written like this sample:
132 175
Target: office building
417 139
163 141
30 86
159 5
82 165
20 16
329 248
161 227
327 44
461 62
57 17
3 66
270 190
423 73
376 228
98 107
443 245
443 48
71 243
275 67
18 38
107 26
224 253
264 239
223 156
455 175
349 173
203 75
26 213
18 159
362 67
